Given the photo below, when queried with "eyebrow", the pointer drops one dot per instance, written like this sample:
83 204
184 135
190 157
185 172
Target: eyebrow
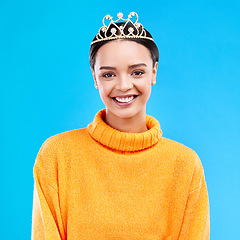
107 67
138 65
131 66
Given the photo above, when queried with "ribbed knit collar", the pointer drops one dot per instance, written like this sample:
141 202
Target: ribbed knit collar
123 141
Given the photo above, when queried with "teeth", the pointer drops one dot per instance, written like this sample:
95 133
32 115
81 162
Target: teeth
124 100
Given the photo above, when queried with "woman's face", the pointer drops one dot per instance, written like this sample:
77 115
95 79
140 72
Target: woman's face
124 73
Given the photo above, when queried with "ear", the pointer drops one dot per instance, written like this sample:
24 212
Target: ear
94 78
154 73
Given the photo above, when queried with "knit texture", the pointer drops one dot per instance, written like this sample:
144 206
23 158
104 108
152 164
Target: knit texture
100 183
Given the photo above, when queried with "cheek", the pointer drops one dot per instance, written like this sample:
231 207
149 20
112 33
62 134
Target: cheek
104 90
144 86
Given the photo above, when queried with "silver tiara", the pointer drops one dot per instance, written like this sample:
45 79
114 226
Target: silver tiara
128 29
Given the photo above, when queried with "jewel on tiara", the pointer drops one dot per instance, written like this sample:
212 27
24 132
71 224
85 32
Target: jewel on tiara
128 29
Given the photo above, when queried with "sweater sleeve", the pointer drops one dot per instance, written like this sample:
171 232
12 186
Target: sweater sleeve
46 218
196 222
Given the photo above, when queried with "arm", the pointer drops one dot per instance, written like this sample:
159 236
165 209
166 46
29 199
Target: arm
46 218
196 223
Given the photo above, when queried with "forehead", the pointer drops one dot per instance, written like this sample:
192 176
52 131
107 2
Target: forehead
123 52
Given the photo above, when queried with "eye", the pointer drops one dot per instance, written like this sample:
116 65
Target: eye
108 75
138 73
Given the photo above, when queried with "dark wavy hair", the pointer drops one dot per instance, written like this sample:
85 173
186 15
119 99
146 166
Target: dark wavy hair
149 44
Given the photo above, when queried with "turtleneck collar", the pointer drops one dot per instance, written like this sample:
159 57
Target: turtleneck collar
122 141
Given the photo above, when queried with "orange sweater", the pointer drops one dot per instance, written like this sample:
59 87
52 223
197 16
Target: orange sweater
99 183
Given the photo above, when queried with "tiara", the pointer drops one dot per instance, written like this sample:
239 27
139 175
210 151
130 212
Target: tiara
128 29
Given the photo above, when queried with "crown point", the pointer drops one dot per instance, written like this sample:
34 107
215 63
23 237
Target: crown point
108 17
119 15
132 13
104 29
138 25
131 30
113 30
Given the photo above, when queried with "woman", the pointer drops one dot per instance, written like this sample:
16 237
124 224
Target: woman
119 178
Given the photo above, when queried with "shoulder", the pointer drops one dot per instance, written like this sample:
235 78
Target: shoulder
56 149
184 161
178 148
183 155
63 143
65 139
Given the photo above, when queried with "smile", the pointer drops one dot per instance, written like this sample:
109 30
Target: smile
125 100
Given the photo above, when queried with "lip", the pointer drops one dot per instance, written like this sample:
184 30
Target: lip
123 104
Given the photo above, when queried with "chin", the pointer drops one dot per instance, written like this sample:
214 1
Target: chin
124 113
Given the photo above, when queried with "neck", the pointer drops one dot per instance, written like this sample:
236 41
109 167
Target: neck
135 124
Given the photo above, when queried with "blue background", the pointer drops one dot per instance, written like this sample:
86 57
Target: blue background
47 88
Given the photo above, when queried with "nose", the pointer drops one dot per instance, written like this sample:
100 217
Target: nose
124 83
